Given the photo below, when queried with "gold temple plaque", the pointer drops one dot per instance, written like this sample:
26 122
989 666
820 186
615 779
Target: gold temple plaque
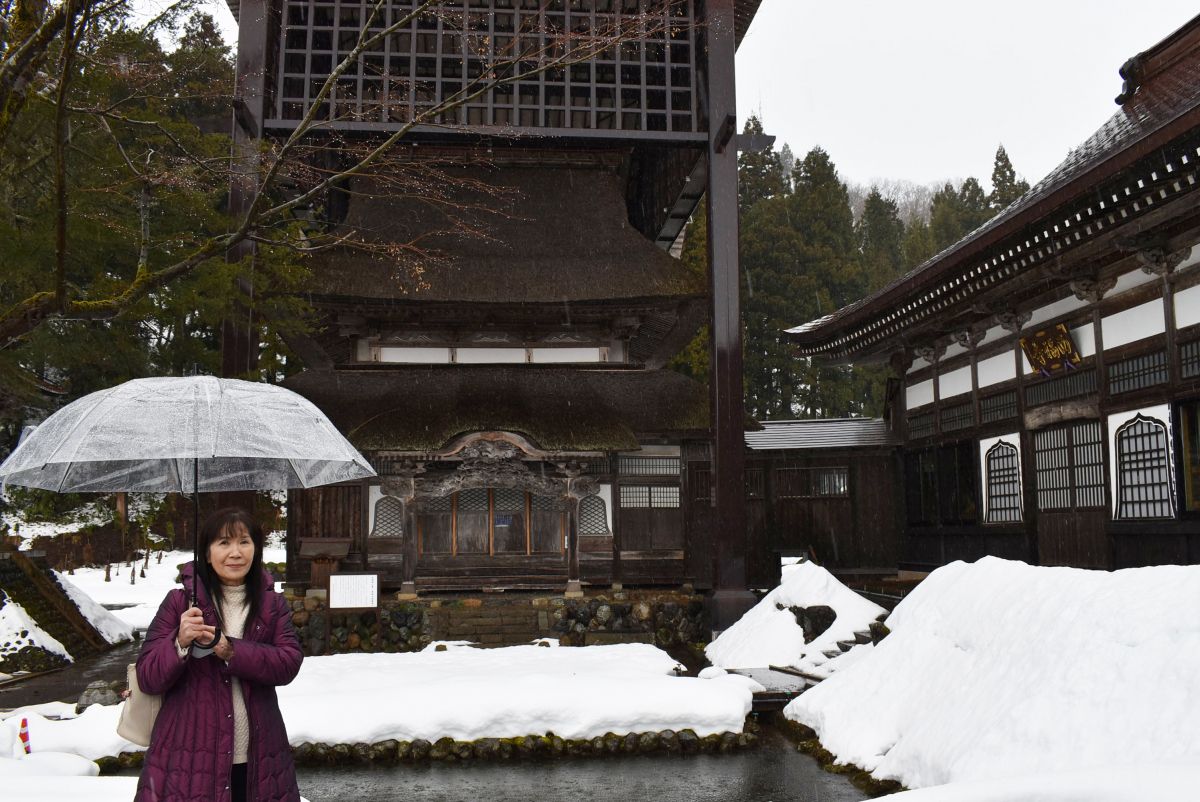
1051 350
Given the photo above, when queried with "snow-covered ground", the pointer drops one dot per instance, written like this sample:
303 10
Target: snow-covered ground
996 673
139 602
462 693
768 634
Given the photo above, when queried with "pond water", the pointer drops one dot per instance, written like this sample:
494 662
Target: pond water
772 772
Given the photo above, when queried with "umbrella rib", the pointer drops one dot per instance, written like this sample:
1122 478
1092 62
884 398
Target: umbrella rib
63 441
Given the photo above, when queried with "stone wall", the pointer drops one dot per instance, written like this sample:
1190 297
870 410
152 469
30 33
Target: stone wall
665 618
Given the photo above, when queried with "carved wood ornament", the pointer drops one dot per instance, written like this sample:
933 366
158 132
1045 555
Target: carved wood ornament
1092 290
1013 321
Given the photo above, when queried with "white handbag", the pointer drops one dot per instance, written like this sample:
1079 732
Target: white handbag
139 713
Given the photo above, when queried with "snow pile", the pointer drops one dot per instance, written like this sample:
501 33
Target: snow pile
113 629
466 694
768 635
52 728
461 693
998 670
1160 782
18 630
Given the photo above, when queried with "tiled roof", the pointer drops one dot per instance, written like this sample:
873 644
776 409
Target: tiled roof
813 434
1167 105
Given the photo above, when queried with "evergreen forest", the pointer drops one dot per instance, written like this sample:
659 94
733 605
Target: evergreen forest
811 244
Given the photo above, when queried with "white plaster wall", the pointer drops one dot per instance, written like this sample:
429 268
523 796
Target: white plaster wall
1013 440
549 355
996 369
918 364
374 494
1084 338
1160 412
1056 309
489 356
421 356
953 349
1134 324
1127 281
918 394
1191 259
1187 306
606 493
954 382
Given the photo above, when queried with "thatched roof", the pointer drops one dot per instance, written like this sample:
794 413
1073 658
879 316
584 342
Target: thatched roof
549 234
420 409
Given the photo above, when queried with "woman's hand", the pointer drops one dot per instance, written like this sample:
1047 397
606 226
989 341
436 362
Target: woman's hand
192 628
224 649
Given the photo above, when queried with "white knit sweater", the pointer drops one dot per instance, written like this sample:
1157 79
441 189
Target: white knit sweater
233 614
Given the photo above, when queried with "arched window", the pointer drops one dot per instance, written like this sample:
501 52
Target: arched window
1143 470
1003 483
389 518
593 516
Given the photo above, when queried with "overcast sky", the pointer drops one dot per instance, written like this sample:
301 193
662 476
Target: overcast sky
925 90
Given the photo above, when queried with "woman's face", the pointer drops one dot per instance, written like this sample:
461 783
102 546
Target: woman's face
231 554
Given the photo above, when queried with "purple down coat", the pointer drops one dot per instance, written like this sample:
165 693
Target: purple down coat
190 754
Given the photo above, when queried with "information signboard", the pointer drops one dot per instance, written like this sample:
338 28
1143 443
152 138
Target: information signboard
354 591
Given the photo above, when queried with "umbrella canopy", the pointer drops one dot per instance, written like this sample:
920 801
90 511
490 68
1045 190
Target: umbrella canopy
154 435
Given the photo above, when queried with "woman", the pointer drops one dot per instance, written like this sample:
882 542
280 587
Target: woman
219 735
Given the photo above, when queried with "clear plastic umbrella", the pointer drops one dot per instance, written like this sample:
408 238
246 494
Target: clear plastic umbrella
174 435
165 435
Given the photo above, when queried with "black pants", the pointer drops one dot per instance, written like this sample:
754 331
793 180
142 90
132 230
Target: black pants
237 783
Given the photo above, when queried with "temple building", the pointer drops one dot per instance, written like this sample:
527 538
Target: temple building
515 400
1046 368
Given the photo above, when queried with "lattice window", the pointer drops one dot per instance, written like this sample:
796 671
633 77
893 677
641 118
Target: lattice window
920 425
1138 372
664 497
1003 483
546 503
389 518
650 466
830 481
596 467
960 416
1001 406
642 84
593 516
1080 382
473 500
791 482
1069 466
1088 459
1143 470
438 504
1189 359
635 496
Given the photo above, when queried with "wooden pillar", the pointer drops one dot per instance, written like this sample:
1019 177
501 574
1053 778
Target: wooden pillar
239 343
731 598
574 585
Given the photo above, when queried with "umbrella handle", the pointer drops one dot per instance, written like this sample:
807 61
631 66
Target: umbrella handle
205 649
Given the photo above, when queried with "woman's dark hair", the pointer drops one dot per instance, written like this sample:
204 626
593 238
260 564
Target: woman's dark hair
218 522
